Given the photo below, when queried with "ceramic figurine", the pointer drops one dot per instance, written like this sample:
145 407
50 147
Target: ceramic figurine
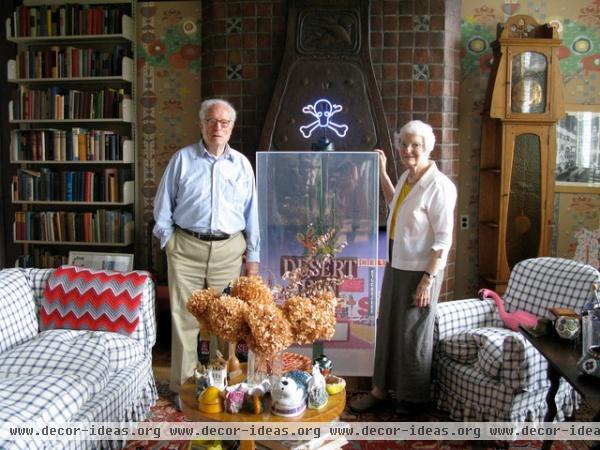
234 398
288 398
567 327
201 376
217 372
590 362
325 365
317 389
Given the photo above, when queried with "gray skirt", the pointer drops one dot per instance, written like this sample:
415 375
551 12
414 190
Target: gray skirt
404 343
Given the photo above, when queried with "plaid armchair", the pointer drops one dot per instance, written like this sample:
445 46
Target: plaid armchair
485 372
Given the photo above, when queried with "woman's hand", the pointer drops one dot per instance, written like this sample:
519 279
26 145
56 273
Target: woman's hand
423 293
382 160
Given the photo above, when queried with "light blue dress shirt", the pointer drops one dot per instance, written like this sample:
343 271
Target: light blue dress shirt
205 194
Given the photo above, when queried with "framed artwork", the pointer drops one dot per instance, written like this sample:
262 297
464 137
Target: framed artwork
578 151
120 262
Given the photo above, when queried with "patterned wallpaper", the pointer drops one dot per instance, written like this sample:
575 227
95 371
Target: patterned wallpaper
169 63
579 24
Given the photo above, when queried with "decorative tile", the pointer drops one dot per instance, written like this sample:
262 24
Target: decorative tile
234 71
420 23
234 25
420 72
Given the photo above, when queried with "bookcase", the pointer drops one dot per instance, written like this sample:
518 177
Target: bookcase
73 138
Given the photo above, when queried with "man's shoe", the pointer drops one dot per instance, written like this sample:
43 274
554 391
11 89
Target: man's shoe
366 402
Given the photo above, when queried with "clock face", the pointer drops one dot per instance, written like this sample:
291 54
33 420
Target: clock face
528 83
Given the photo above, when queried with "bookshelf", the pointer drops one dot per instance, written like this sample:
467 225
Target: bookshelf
73 138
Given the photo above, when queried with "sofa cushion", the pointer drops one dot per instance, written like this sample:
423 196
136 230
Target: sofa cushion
18 321
41 398
122 351
79 298
59 352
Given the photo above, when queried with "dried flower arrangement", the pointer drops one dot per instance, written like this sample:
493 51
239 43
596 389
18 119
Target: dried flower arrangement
271 320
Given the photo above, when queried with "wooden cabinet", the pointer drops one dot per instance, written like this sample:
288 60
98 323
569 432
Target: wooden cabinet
518 149
73 139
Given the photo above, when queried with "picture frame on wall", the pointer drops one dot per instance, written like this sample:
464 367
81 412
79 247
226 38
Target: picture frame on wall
119 262
578 150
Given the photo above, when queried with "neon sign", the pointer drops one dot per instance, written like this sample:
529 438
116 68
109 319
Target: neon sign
323 110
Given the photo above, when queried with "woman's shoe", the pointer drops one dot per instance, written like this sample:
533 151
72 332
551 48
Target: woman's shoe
366 402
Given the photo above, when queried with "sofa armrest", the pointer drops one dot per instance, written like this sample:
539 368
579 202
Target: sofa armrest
459 315
145 331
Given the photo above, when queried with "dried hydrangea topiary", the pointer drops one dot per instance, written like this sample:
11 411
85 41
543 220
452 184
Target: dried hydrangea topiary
306 313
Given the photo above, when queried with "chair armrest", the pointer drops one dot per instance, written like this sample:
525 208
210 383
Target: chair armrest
459 315
523 367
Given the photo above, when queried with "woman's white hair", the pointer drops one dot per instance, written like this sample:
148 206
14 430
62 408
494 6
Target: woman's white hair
417 128
207 104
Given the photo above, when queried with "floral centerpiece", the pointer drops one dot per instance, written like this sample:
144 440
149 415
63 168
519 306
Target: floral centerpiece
270 320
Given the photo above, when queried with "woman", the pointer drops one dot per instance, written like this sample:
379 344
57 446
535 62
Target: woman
419 228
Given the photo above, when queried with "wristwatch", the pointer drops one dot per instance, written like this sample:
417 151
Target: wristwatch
429 275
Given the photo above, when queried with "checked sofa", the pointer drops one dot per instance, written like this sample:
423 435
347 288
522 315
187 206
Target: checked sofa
56 366
483 371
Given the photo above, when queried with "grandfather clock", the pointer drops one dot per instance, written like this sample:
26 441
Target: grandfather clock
524 101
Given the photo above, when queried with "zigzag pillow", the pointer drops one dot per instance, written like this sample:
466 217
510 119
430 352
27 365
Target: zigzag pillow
79 298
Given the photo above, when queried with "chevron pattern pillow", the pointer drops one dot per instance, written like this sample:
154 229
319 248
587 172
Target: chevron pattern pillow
79 298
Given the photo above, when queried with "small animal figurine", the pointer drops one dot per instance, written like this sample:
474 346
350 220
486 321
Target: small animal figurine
288 398
513 319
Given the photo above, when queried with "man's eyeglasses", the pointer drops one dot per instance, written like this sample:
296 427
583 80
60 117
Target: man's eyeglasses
213 122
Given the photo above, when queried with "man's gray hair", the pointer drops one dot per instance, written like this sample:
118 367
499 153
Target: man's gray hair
417 128
207 104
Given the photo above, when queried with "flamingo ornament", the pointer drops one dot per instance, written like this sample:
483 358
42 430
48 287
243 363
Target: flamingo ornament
513 319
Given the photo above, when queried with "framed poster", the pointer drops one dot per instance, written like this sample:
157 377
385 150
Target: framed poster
331 198
119 262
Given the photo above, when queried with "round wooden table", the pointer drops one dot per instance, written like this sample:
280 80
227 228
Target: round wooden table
189 404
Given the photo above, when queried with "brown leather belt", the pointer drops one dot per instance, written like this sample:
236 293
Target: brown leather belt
205 236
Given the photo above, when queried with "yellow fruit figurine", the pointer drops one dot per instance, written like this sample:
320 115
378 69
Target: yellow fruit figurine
209 401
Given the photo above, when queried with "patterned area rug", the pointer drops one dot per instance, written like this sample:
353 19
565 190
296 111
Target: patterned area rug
164 410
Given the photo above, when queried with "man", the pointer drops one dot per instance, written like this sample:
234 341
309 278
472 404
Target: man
206 218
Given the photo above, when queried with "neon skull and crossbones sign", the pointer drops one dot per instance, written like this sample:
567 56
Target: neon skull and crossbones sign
323 110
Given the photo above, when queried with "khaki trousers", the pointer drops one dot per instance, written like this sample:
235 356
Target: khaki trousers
194 264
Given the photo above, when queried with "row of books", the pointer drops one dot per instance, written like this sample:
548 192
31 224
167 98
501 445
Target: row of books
77 144
41 258
58 103
70 62
67 20
102 226
108 185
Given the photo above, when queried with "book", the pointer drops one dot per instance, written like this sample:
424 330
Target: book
560 311
325 442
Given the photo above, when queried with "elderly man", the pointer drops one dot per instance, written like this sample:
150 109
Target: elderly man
206 218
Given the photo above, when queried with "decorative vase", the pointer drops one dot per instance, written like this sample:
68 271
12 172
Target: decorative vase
260 368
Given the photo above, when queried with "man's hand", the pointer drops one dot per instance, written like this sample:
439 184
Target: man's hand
251 268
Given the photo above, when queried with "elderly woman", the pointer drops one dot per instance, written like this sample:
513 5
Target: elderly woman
419 229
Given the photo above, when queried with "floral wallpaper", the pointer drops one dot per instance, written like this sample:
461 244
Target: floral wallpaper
578 22
169 57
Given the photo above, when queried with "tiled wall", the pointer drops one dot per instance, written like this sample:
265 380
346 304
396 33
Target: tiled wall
415 54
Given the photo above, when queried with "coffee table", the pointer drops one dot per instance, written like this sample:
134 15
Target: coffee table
562 357
189 405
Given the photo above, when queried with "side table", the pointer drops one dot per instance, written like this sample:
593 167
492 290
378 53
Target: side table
189 404
562 357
